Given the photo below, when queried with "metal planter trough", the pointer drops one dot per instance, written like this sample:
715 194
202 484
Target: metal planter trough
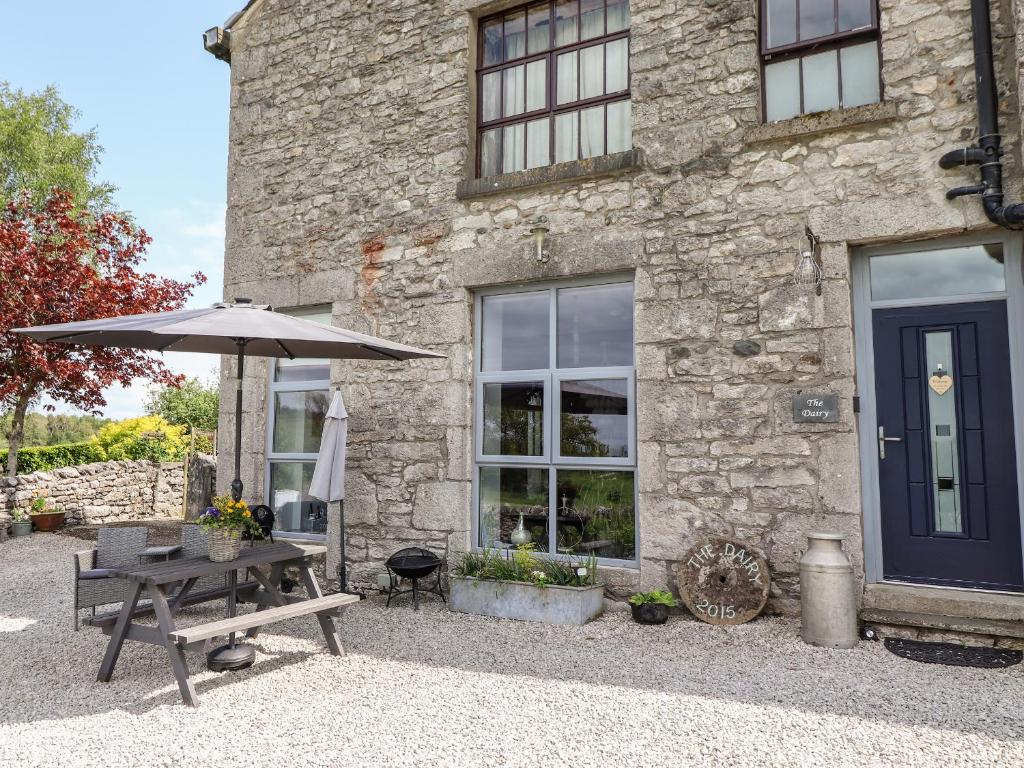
526 602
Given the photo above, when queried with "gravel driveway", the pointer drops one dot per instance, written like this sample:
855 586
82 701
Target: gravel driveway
437 689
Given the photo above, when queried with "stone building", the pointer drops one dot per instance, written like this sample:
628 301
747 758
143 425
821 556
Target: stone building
597 209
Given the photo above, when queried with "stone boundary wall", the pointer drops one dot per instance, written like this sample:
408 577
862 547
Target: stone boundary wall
107 492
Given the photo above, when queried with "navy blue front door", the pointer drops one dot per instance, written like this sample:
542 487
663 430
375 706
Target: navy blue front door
947 459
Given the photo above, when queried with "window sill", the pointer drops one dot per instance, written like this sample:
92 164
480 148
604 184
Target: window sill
822 122
577 170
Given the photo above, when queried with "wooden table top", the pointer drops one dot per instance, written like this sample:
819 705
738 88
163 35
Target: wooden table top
197 567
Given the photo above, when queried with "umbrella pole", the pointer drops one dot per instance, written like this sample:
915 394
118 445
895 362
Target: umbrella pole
236 484
342 569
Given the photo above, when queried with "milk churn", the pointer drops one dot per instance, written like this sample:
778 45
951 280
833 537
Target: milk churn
828 606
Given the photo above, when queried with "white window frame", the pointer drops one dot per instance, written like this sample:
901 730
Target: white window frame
551 378
282 457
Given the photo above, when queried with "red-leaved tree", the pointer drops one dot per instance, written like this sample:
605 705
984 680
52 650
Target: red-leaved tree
59 266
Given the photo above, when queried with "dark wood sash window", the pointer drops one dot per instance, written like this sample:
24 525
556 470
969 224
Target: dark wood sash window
552 84
818 55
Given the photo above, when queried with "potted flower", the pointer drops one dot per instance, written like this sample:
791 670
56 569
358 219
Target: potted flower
225 522
21 524
652 607
45 517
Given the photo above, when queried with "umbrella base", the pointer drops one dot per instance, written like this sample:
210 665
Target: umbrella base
228 658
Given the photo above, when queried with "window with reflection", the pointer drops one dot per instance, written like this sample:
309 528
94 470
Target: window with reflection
818 55
938 272
594 418
555 413
552 84
300 396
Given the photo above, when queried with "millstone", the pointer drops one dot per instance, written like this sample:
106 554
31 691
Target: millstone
723 581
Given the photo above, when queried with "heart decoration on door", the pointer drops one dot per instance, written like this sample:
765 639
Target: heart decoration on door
941 384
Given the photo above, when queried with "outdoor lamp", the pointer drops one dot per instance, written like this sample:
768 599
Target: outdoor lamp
807 272
538 230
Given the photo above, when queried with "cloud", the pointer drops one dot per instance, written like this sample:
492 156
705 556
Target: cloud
128 402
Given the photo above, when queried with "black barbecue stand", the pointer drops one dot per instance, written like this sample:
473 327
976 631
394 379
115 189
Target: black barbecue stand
413 563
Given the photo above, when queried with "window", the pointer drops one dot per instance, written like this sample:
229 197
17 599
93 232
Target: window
555 421
959 271
818 55
553 84
299 397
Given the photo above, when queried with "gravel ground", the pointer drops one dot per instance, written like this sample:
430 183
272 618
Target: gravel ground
438 689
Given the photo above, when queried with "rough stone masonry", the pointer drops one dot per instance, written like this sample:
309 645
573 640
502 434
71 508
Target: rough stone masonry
351 130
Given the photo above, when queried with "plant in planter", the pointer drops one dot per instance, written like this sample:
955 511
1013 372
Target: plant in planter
516 584
225 522
21 523
652 607
44 516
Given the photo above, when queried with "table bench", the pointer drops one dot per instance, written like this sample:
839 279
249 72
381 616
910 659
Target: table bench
327 605
159 580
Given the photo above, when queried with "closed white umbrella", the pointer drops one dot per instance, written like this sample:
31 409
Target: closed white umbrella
328 483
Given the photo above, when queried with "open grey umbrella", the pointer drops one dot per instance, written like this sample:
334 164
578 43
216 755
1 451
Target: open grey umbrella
237 328
328 481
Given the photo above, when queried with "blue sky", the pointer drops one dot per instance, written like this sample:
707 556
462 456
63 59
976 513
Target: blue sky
138 74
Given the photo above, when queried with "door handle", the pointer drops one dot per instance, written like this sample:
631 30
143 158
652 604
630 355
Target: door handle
882 440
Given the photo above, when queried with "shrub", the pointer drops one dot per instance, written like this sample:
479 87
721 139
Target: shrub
657 596
522 564
147 437
46 457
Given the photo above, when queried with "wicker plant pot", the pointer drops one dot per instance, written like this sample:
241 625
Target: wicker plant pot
224 544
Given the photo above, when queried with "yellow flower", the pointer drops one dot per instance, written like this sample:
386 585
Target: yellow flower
247 513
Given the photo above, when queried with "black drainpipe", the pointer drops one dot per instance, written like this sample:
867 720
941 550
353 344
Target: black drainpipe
987 153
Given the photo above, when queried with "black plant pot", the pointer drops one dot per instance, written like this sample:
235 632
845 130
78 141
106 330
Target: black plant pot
650 613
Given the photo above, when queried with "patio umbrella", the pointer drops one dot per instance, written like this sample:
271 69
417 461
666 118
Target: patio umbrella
328 482
228 328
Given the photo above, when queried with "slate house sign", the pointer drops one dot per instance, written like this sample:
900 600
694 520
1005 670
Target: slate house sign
815 408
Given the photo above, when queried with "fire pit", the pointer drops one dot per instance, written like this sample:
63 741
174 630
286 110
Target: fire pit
413 563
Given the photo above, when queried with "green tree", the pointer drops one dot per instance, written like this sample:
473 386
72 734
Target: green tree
194 405
39 150
52 428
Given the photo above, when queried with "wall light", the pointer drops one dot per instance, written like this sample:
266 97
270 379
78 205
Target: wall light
538 230
807 272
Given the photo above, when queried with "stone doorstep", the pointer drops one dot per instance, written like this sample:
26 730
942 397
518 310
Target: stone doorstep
944 601
974 617
951 624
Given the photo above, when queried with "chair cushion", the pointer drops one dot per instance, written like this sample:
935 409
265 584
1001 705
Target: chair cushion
97 573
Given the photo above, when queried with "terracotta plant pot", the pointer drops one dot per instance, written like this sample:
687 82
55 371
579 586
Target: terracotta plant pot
48 521
650 613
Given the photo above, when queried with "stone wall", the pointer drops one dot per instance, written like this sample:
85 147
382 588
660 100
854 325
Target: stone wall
106 492
350 132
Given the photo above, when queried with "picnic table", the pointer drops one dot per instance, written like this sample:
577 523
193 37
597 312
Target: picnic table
160 580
